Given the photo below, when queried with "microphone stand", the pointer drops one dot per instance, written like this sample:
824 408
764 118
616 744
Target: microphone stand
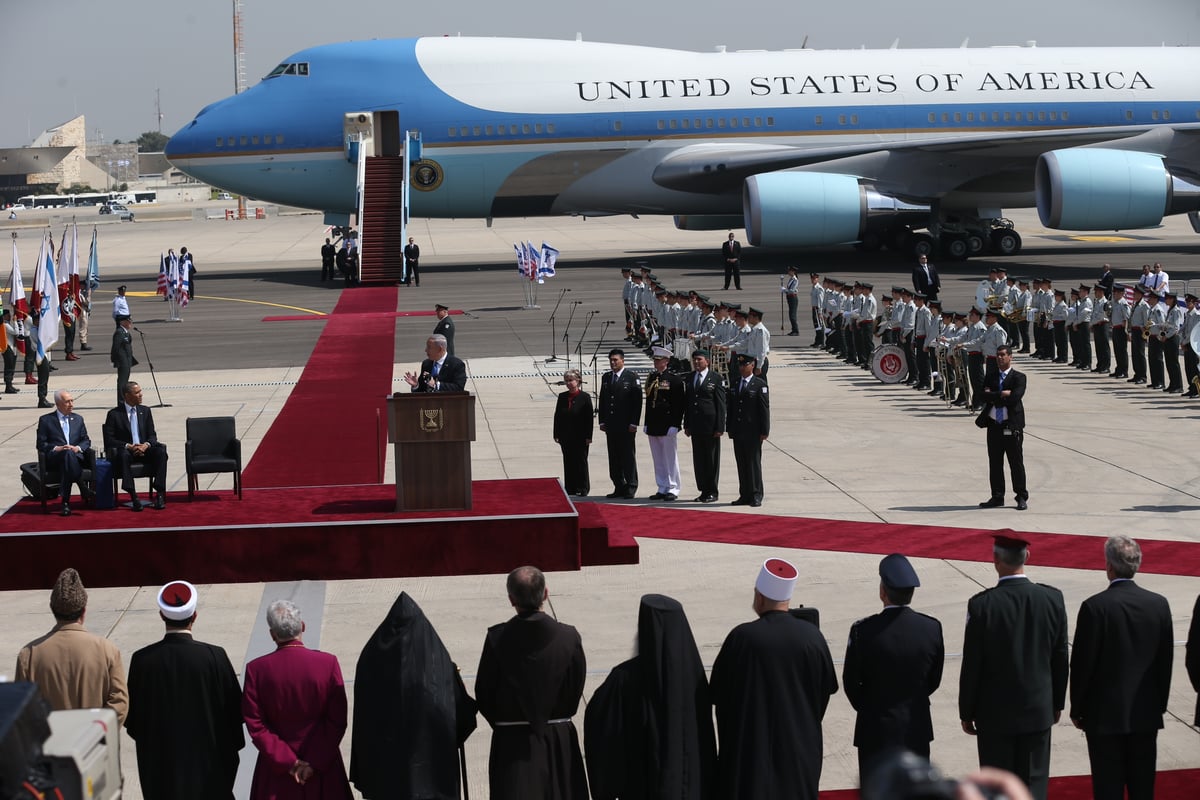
587 321
150 364
595 355
567 331
553 333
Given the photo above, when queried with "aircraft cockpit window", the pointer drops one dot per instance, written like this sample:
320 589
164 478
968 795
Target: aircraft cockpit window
291 70
277 71
302 68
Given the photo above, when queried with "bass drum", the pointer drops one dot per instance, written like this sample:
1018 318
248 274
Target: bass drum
888 363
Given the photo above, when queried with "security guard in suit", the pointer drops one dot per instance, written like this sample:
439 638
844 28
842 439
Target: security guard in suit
749 423
1010 697
893 665
619 411
704 423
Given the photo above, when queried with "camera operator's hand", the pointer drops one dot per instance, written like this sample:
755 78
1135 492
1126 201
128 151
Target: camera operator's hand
990 782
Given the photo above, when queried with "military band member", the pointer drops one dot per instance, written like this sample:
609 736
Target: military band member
1023 313
833 315
957 359
1059 315
1169 335
626 301
705 410
893 666
1083 328
866 325
707 318
816 298
1191 362
1101 310
663 421
993 338
908 321
1156 322
932 331
758 342
1043 301
1139 319
791 292
1121 309
748 422
972 346
986 292
850 309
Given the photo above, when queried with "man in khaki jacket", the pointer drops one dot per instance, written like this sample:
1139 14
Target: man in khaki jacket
72 667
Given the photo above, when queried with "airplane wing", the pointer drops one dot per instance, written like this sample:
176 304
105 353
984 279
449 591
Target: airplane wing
925 169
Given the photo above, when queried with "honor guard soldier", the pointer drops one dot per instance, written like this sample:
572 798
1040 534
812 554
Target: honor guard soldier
1101 311
1083 328
791 291
748 423
1156 323
1121 308
893 666
866 325
1059 314
1171 326
1191 363
620 408
758 343
922 327
626 301
816 298
1139 320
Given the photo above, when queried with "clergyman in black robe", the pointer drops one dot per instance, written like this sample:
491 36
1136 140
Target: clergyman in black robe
771 684
185 710
648 729
411 711
528 687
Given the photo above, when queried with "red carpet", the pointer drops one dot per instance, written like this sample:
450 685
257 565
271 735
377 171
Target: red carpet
338 400
314 533
1179 784
1159 556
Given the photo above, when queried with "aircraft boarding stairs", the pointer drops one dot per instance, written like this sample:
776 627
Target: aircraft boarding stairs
381 221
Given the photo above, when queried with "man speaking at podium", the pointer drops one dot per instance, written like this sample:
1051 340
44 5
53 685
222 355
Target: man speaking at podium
439 372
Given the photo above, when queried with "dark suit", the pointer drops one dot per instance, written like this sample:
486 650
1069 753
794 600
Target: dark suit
122 358
705 410
573 432
445 327
930 284
118 434
1014 676
451 376
1120 681
893 665
620 409
412 261
186 716
748 420
1192 659
1004 439
67 463
731 253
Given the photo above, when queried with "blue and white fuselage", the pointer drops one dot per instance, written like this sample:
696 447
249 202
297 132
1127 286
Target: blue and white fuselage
515 127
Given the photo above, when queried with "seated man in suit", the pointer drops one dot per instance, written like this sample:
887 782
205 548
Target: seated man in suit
62 436
129 433
440 372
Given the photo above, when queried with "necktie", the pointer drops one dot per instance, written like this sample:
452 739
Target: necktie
697 380
437 367
134 435
745 383
1000 386
65 421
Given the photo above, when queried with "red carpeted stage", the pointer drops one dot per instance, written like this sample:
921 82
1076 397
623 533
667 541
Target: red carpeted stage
315 532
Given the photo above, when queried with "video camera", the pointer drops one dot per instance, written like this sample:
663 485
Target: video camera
903 775
73 752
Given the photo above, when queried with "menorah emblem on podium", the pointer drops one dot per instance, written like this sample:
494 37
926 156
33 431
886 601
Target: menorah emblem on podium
431 419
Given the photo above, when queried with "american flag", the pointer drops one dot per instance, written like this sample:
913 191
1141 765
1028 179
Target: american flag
163 286
183 275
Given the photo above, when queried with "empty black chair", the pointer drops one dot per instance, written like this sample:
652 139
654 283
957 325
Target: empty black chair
212 446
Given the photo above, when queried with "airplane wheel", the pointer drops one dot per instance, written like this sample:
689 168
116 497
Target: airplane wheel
920 244
955 248
975 244
1007 242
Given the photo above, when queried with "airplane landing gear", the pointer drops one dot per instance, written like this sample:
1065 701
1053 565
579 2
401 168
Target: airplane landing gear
960 238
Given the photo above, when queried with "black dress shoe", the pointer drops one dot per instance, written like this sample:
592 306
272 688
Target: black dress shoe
1192 393
614 495
1156 386
11 390
135 504
45 404
160 502
712 498
1022 505
657 496
670 498
701 499
994 502
741 501
1174 390
630 495
85 347
754 503
65 511
1119 375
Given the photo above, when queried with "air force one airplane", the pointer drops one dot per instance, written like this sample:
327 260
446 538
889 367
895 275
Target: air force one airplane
800 147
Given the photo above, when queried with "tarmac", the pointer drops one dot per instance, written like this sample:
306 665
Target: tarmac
1102 457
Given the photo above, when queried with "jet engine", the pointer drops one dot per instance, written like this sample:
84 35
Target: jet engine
800 209
1095 189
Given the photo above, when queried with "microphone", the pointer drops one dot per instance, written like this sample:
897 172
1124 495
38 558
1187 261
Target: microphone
139 330
577 302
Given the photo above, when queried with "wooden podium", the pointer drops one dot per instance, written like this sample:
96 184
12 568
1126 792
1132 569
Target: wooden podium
432 433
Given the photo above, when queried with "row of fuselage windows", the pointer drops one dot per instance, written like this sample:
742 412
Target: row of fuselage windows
709 123
249 141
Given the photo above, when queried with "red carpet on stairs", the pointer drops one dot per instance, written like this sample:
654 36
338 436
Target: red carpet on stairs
329 428
1159 556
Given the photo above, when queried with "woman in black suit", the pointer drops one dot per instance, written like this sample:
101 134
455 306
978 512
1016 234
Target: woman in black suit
573 433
